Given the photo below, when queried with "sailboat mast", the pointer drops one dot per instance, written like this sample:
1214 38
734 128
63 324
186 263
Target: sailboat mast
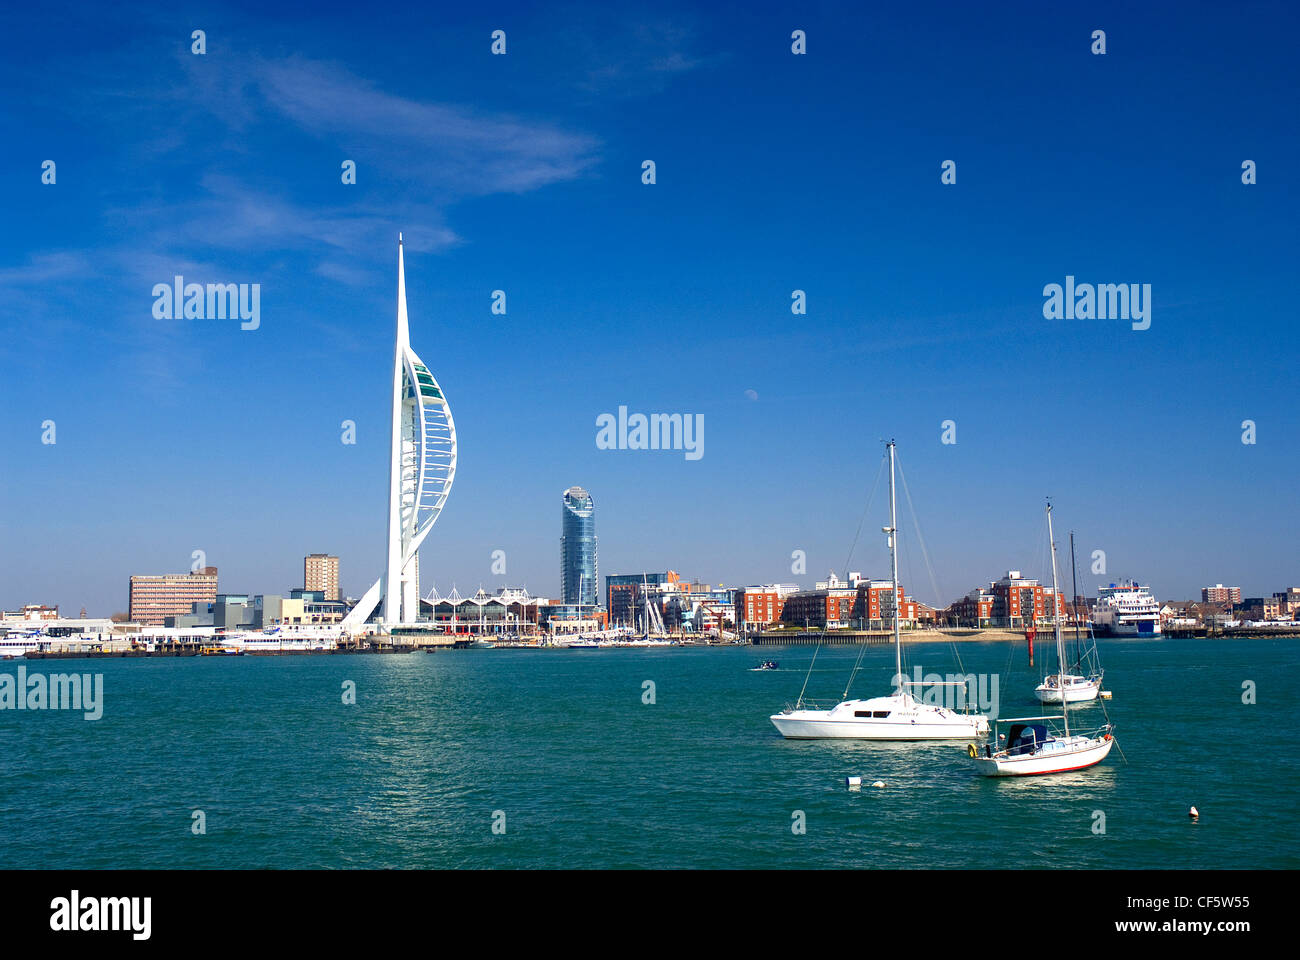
893 558
1074 599
1056 608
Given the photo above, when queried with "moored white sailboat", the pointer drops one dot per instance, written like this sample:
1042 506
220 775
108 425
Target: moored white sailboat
1074 688
899 716
1031 747
1066 683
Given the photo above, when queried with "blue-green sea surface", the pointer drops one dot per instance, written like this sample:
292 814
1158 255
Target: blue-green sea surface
559 750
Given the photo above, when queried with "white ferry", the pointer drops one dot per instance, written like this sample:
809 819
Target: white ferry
286 638
1126 609
16 643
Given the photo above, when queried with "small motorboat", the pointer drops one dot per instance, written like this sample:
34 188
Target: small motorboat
768 665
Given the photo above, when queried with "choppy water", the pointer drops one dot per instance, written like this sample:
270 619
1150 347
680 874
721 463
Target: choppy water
588 775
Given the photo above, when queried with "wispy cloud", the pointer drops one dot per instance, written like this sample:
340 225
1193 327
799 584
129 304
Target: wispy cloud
44 268
627 53
215 197
451 148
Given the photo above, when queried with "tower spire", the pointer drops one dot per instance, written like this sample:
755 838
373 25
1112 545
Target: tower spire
393 612
403 331
421 467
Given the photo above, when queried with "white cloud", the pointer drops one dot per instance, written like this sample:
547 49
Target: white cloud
453 149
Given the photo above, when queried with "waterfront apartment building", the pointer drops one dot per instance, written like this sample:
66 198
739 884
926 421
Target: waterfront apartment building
858 603
1018 601
762 605
973 610
578 566
320 572
154 599
1221 594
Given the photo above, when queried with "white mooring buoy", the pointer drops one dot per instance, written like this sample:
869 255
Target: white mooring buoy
853 781
1194 814
879 783
1105 694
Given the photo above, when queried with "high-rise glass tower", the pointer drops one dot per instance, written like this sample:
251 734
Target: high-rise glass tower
578 548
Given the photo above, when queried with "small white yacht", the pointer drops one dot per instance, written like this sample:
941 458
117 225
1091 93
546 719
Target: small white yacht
1069 686
1073 688
897 717
1032 749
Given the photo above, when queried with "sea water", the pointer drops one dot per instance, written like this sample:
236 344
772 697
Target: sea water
639 759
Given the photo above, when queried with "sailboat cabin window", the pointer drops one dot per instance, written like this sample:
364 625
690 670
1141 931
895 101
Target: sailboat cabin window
874 714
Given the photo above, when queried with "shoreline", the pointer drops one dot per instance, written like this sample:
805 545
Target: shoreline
989 635
800 639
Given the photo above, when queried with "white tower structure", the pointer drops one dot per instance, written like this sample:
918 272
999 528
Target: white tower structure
421 468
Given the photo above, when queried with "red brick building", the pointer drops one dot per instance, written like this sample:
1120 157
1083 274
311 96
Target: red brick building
856 604
1010 602
973 610
1019 600
762 605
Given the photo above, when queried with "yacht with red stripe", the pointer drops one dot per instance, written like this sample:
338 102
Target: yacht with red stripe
1032 747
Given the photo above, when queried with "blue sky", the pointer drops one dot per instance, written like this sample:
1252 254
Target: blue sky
775 172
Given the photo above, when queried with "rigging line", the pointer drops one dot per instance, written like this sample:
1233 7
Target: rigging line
925 554
1039 549
1045 548
904 548
861 653
808 676
857 664
849 560
1011 653
907 563
865 510
1119 748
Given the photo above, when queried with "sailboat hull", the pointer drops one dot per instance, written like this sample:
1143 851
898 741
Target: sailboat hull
881 718
1077 690
1056 756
